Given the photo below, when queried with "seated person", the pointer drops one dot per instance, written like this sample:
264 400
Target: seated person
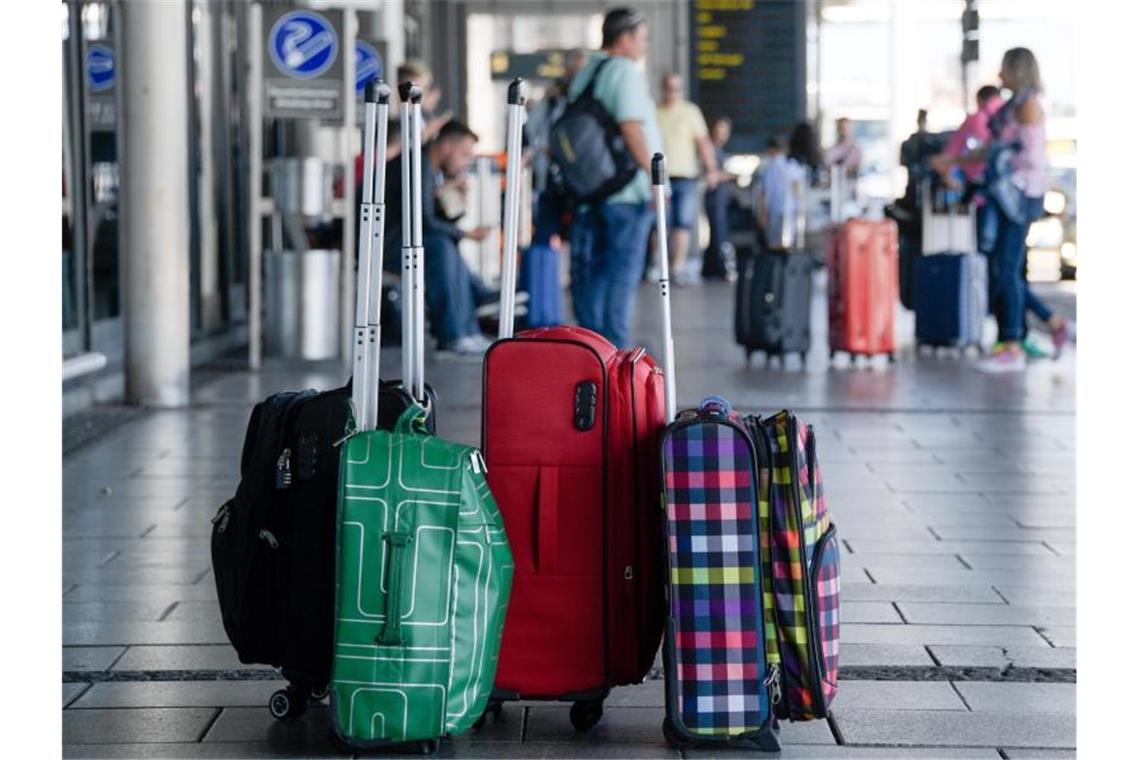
452 290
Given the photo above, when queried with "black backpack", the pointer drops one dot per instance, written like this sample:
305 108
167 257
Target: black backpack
589 154
273 544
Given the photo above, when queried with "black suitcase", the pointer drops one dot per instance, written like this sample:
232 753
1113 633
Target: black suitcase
273 544
773 303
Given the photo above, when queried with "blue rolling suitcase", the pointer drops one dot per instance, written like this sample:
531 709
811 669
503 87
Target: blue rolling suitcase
541 279
950 298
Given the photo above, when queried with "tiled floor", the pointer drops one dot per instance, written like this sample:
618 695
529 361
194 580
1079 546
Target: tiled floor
953 493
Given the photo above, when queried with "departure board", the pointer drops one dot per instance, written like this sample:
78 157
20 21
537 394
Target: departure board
748 62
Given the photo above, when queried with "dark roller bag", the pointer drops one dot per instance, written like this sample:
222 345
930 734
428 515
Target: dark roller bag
272 544
773 303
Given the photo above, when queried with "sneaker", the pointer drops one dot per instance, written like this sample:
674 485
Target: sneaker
1034 349
1061 336
1002 360
467 348
478 341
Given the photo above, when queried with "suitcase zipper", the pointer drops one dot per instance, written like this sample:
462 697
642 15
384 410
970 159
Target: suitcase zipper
268 537
810 615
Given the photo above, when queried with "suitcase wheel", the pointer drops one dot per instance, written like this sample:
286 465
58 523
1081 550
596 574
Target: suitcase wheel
288 703
585 715
318 693
675 739
427 746
494 709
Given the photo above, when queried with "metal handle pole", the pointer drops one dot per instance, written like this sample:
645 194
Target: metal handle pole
361 382
413 240
659 179
516 99
406 240
376 253
253 294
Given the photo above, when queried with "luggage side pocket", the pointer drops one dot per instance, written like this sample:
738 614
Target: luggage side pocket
229 555
825 590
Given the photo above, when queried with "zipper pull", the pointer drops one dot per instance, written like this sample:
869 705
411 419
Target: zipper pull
268 537
482 461
628 572
346 436
222 519
284 477
773 683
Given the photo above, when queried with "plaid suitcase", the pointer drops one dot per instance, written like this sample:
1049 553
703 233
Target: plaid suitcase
800 550
716 690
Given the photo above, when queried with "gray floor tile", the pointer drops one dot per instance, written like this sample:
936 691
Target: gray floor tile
178 694
133 632
954 729
184 724
882 753
135 592
308 733
641 725
183 657
608 750
815 732
193 751
985 614
84 612
869 633
71 691
896 695
1060 636
858 655
1020 698
868 612
648 694
933 546
1040 754
90 658
999 657
881 592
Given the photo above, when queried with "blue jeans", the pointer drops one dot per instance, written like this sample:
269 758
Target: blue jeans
607 255
1011 292
682 210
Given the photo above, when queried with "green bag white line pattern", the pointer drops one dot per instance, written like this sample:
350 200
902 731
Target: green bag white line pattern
423 578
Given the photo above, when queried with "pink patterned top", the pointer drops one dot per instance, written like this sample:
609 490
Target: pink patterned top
1028 164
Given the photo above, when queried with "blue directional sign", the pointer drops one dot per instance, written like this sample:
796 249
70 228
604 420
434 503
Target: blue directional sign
100 68
302 44
369 65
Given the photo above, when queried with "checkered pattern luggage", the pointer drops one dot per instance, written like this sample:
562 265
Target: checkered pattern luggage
800 547
715 679
715 688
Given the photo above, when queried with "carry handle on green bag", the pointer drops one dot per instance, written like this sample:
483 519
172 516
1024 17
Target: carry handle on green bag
392 630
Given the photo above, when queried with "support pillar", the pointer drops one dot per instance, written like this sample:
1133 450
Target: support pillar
155 203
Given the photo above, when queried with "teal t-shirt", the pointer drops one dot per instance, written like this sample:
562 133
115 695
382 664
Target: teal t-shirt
624 91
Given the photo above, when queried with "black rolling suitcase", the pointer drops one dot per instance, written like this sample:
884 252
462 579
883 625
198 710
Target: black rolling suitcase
272 544
773 292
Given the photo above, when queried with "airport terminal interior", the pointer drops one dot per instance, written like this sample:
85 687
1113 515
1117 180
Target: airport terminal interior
953 490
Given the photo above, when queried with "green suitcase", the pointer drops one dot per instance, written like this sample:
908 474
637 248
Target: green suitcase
423 576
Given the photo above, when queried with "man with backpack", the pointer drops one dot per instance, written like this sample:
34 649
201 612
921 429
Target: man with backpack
602 147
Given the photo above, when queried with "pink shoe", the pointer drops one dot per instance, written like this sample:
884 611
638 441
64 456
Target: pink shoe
1001 361
1061 336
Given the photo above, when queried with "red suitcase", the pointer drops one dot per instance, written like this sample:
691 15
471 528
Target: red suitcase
862 263
570 428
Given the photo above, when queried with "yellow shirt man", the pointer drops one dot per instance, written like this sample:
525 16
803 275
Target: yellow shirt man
682 125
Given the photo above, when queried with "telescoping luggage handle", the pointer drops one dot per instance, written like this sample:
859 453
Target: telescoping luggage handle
370 251
659 179
412 245
516 102
926 188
